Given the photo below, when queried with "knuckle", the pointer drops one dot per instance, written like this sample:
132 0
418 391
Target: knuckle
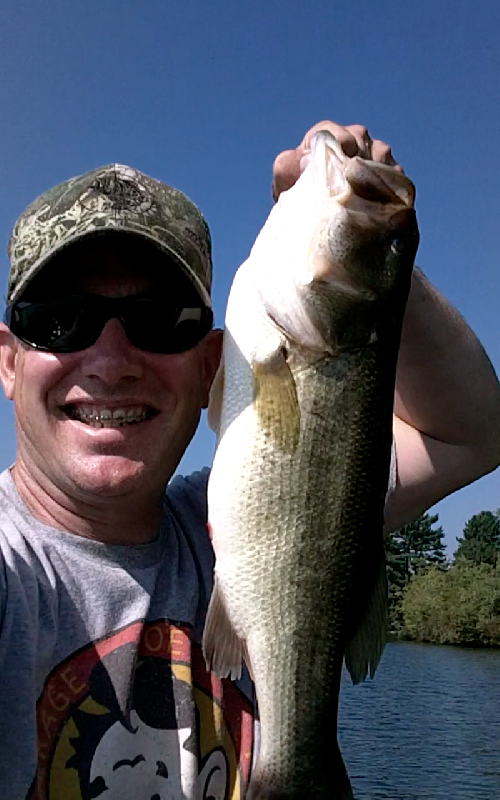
358 130
382 152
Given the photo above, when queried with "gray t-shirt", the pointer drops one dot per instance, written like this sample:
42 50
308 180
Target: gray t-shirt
103 687
104 691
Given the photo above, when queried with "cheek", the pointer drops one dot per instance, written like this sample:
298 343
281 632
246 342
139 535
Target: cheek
180 373
36 375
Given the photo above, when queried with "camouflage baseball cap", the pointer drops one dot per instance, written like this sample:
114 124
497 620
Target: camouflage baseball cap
118 198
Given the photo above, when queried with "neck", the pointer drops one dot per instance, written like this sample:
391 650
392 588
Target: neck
125 519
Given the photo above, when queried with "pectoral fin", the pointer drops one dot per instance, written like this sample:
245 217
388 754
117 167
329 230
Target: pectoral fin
365 648
222 649
275 401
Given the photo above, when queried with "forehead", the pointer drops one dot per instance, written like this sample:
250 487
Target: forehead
111 264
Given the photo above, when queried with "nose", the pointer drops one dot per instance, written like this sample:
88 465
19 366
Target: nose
112 358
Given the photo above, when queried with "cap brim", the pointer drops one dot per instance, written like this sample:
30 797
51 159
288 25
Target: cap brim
88 233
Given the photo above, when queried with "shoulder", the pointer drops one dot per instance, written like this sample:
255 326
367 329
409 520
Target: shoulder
22 562
194 485
187 502
187 499
13 522
188 495
19 530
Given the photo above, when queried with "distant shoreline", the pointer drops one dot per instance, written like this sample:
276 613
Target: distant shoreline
394 638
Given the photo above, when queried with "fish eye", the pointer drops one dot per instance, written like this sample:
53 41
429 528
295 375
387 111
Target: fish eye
398 246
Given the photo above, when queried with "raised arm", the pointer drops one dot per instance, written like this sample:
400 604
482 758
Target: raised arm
446 405
447 400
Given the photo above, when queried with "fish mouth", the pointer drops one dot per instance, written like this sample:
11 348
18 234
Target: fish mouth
350 180
379 183
104 416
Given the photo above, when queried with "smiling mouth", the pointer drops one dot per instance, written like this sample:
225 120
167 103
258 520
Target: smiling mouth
107 417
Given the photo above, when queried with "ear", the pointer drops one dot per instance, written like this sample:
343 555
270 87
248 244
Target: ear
211 353
9 348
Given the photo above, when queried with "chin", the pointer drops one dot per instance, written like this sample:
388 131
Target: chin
111 476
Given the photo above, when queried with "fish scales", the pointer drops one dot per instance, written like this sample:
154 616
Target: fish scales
299 587
296 515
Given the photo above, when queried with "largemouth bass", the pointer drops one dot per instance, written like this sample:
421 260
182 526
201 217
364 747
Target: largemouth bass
303 405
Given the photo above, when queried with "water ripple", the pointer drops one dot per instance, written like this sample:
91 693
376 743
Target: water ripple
426 728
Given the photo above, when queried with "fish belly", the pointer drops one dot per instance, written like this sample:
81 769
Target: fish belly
297 536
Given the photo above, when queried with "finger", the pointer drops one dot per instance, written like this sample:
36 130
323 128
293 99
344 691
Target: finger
382 152
343 135
354 140
362 138
286 171
286 167
375 149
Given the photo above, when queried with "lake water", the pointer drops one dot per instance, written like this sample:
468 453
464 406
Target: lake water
426 728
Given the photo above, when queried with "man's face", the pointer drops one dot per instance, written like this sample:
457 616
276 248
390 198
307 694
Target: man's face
160 396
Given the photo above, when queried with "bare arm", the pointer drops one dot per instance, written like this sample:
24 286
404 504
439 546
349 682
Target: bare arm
447 400
446 405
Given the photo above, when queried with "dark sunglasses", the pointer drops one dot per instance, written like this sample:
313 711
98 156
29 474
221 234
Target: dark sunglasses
75 322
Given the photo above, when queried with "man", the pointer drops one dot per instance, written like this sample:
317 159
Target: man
108 355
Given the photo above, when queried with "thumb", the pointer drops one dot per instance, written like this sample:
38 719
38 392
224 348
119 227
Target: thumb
286 171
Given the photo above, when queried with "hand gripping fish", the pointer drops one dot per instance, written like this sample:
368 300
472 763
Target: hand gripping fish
303 406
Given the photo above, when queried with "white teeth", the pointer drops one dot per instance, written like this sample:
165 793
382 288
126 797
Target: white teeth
105 418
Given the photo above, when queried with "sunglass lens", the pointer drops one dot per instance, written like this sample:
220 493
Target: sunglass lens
62 326
159 328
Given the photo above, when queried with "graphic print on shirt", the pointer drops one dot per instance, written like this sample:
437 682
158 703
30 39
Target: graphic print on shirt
136 715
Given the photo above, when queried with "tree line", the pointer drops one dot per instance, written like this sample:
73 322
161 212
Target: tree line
432 599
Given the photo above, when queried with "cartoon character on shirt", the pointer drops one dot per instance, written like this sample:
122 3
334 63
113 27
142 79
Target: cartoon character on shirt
147 727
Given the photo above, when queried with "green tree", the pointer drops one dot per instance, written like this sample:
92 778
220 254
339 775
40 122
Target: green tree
413 547
457 606
409 550
480 543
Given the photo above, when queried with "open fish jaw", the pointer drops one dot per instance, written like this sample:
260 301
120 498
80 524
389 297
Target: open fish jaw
322 233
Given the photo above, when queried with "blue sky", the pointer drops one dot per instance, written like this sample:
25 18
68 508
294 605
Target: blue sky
204 93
